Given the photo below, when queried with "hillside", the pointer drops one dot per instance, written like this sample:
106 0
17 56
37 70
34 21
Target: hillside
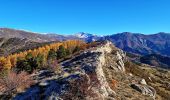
142 44
12 33
32 36
156 60
102 73
14 45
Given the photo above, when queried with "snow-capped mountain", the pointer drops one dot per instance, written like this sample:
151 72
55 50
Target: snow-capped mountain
83 35
87 36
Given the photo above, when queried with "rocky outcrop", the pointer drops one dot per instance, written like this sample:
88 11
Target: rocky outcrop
93 61
145 89
105 88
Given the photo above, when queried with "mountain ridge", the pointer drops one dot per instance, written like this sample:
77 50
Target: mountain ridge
138 43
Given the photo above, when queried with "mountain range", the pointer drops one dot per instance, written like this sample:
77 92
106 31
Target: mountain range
130 42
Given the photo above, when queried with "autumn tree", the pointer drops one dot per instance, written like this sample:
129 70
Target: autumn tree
13 59
2 63
5 63
8 64
36 58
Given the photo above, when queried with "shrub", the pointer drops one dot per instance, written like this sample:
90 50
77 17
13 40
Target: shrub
54 66
12 81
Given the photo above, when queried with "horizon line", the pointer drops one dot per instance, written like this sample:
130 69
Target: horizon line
67 34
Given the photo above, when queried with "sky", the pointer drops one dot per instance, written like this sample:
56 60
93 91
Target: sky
101 17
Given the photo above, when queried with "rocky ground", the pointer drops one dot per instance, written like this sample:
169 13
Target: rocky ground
96 74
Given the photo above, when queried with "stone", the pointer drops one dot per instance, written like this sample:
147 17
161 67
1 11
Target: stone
43 83
130 74
143 82
145 89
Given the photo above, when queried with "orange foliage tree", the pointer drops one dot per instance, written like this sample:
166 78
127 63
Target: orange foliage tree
10 61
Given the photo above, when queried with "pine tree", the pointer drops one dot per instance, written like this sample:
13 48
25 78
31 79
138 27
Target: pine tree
29 56
40 60
61 52
52 54
68 52
76 49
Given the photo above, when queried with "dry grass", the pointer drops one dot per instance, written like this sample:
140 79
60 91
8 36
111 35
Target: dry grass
113 84
159 78
82 88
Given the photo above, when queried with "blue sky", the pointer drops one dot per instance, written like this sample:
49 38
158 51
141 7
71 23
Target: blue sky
93 16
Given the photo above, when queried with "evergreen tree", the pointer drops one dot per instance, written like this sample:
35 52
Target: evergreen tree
52 54
40 60
29 64
29 56
68 52
23 65
61 52
76 49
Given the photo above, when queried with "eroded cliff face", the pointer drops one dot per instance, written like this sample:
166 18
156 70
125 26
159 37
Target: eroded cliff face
95 74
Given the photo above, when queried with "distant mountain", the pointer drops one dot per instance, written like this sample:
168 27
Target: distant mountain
37 37
156 60
12 33
62 37
135 42
142 44
130 42
87 37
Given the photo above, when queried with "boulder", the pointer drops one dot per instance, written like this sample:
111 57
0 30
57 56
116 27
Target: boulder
145 89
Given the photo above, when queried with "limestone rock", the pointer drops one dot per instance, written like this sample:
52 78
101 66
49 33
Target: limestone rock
43 83
143 82
145 89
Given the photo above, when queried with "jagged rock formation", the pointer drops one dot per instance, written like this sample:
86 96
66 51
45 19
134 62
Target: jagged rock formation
88 76
105 88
